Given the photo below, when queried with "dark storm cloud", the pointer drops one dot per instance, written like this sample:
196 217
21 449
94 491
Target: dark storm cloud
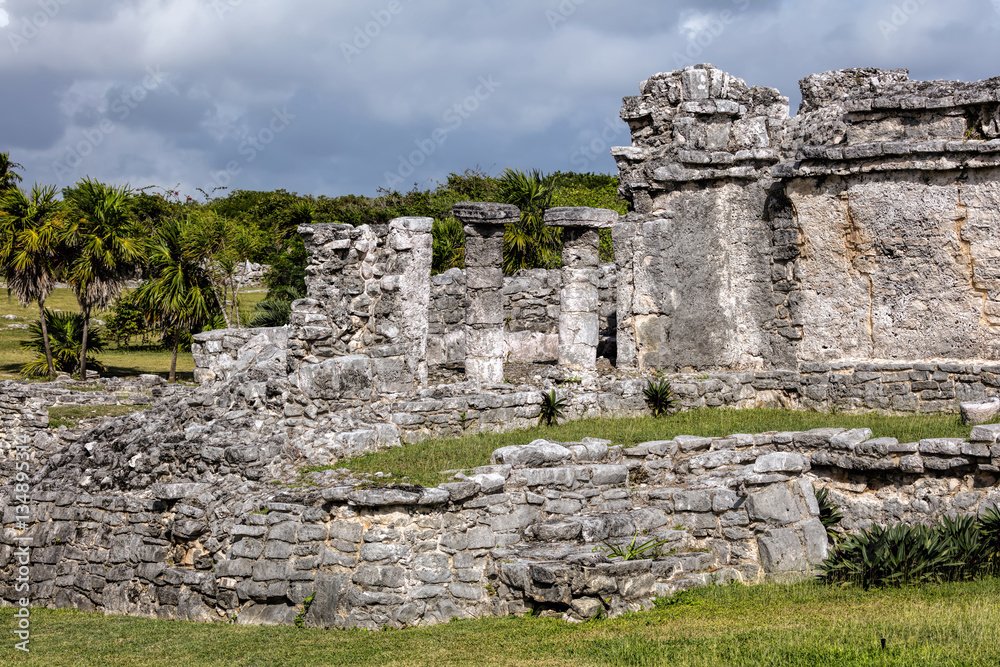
331 98
29 113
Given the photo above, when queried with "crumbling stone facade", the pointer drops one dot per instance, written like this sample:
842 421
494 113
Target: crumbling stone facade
863 228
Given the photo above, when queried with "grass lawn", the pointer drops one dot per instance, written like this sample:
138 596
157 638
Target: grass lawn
802 624
122 362
422 462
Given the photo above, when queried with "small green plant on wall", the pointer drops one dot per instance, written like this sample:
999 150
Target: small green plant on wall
552 409
659 397
632 550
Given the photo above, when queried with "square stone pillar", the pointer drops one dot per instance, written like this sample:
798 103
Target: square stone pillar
484 321
579 315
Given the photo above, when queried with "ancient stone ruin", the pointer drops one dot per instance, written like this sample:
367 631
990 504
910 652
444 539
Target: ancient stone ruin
842 258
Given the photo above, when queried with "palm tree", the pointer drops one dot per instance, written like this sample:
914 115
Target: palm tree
177 297
29 253
8 177
107 247
529 244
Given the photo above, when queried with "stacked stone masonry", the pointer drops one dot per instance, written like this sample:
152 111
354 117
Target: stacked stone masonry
524 533
531 316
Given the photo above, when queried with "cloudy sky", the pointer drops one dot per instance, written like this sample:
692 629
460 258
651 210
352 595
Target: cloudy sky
335 97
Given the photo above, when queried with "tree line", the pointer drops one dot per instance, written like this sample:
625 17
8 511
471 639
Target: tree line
187 253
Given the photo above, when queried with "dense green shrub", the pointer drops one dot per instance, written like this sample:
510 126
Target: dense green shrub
126 321
275 310
448 246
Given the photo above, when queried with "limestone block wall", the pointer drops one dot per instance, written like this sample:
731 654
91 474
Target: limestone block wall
22 416
896 202
862 228
531 315
517 535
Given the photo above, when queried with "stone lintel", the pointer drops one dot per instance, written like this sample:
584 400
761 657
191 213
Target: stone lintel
581 216
485 213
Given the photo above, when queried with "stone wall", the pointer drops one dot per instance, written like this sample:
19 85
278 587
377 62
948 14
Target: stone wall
862 228
65 391
531 313
524 533
216 353
848 386
368 293
22 417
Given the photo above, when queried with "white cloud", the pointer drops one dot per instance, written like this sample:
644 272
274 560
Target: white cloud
4 17
693 23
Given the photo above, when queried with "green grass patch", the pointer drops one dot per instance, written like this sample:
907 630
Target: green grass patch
422 462
802 624
71 415
130 361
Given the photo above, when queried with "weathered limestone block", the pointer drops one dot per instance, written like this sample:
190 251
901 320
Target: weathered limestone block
978 412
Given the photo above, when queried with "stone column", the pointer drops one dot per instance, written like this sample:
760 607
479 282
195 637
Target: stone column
411 239
579 317
484 321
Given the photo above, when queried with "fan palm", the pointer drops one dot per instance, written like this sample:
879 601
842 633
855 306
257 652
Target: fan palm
275 310
529 244
177 297
56 338
29 249
107 247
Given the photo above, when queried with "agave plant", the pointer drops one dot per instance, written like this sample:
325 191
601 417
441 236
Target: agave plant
632 550
552 409
65 339
659 397
989 532
955 549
